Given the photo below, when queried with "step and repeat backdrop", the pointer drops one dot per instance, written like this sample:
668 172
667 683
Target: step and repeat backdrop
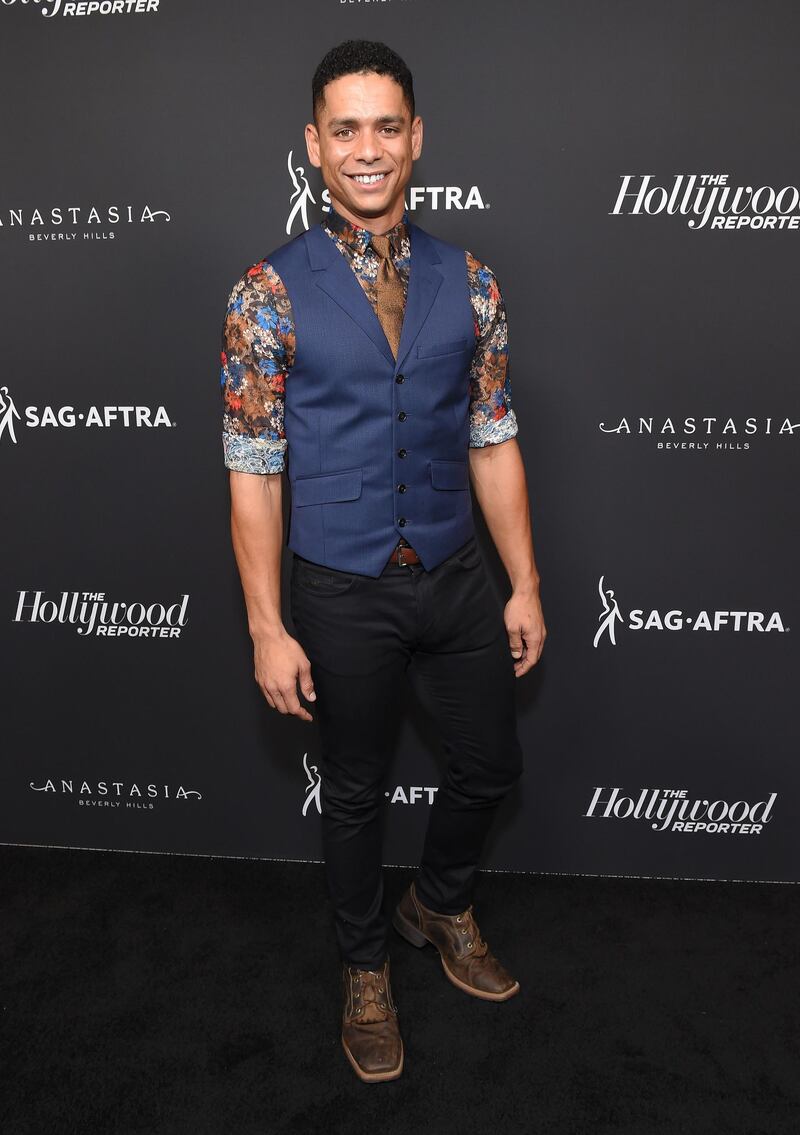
629 171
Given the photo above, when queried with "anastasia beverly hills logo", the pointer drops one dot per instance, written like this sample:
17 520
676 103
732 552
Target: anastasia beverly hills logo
708 201
114 793
50 8
84 222
672 809
68 417
433 196
703 434
400 794
90 613
611 619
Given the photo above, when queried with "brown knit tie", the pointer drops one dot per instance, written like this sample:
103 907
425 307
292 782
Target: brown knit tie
389 290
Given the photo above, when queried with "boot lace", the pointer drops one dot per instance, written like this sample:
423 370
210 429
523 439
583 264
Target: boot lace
467 925
370 994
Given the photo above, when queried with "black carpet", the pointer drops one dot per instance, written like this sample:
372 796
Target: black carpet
185 996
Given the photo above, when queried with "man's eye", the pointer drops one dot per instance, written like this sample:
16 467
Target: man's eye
345 130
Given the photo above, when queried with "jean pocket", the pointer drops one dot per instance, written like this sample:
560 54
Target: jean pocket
320 580
470 556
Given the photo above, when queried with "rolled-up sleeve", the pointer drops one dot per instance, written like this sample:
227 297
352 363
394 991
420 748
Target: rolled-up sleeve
258 344
491 417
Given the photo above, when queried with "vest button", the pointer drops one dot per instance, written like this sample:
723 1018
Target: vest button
402 522
401 488
401 417
401 452
400 378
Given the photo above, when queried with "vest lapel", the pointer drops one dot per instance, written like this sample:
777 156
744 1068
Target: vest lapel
336 278
424 282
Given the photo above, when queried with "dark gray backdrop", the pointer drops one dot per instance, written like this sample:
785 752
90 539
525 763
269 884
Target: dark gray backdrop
176 125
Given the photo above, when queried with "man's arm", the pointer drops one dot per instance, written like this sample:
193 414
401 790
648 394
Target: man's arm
257 535
498 478
496 468
257 354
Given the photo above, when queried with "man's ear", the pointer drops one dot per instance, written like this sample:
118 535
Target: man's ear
416 138
312 144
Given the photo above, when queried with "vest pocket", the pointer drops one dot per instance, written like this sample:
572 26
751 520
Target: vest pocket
430 350
326 488
449 474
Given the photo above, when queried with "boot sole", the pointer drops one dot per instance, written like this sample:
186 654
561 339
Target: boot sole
373 1077
418 939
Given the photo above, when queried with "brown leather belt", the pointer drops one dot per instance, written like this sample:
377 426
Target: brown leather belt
404 554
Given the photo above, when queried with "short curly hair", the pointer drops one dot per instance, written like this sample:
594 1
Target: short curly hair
357 57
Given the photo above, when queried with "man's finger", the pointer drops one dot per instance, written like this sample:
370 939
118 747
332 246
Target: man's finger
292 703
515 642
280 701
533 652
306 682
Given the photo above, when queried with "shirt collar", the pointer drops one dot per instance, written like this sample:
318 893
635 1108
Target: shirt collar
358 238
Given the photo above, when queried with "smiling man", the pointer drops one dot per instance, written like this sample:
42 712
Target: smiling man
368 361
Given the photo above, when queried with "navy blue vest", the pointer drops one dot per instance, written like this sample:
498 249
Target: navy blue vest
377 449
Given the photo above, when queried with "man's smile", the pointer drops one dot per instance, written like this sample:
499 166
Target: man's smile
368 178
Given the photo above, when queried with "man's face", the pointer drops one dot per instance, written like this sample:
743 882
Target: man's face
365 143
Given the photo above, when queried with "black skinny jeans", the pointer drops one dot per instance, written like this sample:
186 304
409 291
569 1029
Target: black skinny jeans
361 635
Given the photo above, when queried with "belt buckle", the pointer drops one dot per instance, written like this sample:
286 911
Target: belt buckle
400 561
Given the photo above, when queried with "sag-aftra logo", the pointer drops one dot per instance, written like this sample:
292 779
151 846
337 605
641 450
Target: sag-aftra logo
674 619
434 197
69 417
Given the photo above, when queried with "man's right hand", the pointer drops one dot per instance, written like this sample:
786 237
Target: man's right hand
257 533
280 663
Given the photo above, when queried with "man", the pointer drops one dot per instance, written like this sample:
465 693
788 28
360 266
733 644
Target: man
369 360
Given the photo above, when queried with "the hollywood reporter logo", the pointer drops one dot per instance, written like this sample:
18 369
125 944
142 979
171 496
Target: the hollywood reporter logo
91 614
671 809
50 8
710 202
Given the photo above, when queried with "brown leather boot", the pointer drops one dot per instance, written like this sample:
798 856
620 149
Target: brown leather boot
466 958
370 1033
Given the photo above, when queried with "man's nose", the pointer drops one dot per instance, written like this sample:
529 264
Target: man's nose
368 147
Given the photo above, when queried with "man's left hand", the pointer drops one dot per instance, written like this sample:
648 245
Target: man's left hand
526 630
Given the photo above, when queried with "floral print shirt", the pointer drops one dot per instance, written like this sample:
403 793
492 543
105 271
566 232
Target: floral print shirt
258 344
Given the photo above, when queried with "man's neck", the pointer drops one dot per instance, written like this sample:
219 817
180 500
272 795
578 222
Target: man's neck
375 225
